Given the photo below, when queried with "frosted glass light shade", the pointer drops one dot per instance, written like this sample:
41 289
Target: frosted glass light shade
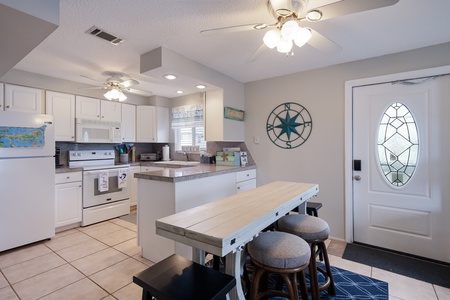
302 36
284 46
115 94
122 96
289 30
272 38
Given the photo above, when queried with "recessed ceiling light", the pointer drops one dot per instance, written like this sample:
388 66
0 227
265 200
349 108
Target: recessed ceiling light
179 92
170 76
200 86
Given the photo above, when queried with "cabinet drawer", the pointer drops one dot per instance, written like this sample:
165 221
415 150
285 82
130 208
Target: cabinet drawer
68 177
245 185
245 175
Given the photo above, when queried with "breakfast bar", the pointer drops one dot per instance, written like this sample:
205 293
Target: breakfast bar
224 227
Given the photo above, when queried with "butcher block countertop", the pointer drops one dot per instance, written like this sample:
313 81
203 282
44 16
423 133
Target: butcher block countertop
176 174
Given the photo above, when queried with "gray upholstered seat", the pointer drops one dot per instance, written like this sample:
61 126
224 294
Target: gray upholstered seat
307 227
315 231
282 253
279 250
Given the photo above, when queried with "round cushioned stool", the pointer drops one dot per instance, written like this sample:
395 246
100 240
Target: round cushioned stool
284 254
314 231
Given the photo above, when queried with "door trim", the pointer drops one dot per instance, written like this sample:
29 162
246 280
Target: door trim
348 131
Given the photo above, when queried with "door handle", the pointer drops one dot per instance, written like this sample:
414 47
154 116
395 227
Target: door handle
357 177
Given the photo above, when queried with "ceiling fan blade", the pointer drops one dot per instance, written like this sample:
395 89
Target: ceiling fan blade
101 81
236 28
138 92
347 7
322 43
93 88
129 82
256 54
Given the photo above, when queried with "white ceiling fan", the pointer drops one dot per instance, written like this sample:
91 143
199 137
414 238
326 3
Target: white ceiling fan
116 84
294 19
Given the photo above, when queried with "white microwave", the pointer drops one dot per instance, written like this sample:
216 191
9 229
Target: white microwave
93 131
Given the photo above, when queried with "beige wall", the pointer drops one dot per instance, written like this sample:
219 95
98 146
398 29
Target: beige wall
321 158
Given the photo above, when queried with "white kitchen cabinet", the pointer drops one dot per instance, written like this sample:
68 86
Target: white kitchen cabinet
111 111
22 99
2 89
62 107
68 193
128 123
96 109
152 124
133 185
245 180
87 108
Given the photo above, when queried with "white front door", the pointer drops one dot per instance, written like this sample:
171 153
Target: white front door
401 171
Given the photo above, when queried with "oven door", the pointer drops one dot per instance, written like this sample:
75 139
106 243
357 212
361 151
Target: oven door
91 194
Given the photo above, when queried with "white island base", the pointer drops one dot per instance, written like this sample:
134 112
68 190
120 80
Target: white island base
158 199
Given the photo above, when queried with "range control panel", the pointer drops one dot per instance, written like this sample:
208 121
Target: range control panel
90 155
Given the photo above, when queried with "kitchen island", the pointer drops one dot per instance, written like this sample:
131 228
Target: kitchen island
171 190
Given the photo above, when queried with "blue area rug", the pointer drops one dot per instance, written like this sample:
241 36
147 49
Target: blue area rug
350 285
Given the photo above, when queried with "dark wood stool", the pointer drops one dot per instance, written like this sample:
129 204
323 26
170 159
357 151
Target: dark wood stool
312 208
176 278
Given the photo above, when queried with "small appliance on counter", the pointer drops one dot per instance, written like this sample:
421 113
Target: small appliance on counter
58 157
149 156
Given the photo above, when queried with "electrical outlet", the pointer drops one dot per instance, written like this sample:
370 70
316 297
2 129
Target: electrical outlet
256 139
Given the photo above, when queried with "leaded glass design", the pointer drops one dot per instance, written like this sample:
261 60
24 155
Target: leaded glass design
398 144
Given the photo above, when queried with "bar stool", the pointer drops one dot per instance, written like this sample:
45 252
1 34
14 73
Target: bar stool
281 253
176 278
315 231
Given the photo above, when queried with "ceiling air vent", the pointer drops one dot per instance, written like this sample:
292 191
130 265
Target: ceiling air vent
104 35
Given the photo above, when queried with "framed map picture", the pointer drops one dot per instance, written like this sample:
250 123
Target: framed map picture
233 114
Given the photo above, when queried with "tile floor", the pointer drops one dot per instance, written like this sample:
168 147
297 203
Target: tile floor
98 262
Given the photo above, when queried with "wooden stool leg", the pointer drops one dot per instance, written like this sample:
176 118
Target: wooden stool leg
313 278
331 288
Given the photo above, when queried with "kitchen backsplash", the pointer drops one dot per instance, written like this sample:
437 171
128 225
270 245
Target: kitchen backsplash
212 148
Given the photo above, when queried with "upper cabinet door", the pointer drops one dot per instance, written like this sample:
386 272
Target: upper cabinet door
111 111
62 107
87 108
145 124
128 123
162 124
23 99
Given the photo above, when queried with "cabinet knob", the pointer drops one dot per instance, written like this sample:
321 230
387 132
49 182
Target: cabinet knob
68 177
7 106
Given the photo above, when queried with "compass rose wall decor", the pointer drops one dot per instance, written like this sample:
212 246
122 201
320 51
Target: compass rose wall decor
289 125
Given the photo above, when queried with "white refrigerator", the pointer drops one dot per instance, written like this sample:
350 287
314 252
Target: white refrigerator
27 179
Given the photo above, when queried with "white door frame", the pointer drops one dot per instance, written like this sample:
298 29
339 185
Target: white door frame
348 131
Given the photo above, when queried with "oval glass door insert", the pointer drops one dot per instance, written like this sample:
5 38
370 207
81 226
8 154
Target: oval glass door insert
398 144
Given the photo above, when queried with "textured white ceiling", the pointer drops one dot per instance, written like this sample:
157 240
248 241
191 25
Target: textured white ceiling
176 25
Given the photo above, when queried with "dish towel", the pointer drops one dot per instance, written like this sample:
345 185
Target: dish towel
103 181
122 178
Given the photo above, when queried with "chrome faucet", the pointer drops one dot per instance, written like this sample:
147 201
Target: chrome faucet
186 154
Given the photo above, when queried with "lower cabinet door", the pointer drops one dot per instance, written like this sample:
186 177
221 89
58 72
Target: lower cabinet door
68 204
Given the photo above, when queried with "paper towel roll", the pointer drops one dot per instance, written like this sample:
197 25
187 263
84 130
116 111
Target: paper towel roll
166 153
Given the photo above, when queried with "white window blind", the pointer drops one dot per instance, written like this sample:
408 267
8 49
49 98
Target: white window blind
187 123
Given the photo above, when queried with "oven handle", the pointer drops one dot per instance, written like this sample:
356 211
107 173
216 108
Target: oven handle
110 171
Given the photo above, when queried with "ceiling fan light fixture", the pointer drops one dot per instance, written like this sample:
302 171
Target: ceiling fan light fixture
302 36
314 15
272 38
115 93
289 30
107 95
122 96
284 46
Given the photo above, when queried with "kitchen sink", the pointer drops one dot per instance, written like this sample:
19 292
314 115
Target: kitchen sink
178 163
